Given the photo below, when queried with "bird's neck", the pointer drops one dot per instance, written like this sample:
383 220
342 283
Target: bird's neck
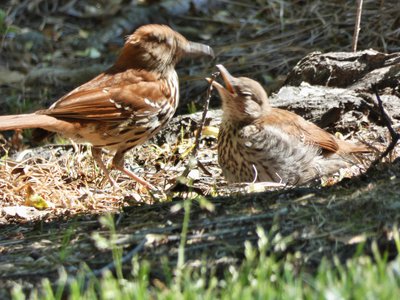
233 122
133 57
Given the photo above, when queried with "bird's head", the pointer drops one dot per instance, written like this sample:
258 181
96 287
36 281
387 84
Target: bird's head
243 99
158 47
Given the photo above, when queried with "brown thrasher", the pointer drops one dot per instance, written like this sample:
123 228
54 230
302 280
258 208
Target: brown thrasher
124 106
260 143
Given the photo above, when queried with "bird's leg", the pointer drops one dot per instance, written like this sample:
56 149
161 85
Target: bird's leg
118 163
96 153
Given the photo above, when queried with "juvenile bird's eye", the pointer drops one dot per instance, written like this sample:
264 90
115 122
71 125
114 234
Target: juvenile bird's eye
245 93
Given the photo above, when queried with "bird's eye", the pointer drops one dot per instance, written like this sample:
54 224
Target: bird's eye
245 93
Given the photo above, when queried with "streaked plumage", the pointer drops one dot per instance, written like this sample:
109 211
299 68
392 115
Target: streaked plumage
260 143
127 104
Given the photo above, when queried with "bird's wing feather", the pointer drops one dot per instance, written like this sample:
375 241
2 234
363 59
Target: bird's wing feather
306 131
130 98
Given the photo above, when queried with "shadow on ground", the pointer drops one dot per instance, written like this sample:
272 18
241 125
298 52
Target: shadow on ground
313 222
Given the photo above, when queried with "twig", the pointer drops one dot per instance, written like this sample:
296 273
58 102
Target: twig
357 25
201 125
203 168
193 151
111 266
125 259
203 118
388 123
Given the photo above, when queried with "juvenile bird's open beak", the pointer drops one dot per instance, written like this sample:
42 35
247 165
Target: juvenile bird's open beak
196 49
228 81
228 78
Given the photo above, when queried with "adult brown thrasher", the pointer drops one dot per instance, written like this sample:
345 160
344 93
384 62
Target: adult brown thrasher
260 143
124 106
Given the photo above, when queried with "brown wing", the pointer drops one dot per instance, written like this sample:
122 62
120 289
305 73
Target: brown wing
296 126
111 98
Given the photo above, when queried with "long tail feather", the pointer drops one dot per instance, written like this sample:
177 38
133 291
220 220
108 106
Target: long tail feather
347 147
33 120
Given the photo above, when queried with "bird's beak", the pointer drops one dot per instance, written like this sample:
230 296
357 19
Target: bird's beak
228 81
196 49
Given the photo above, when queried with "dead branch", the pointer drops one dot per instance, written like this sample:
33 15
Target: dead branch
203 118
125 259
357 25
388 123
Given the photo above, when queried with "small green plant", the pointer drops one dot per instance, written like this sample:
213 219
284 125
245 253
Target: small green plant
191 106
110 243
4 27
65 250
261 275
181 253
